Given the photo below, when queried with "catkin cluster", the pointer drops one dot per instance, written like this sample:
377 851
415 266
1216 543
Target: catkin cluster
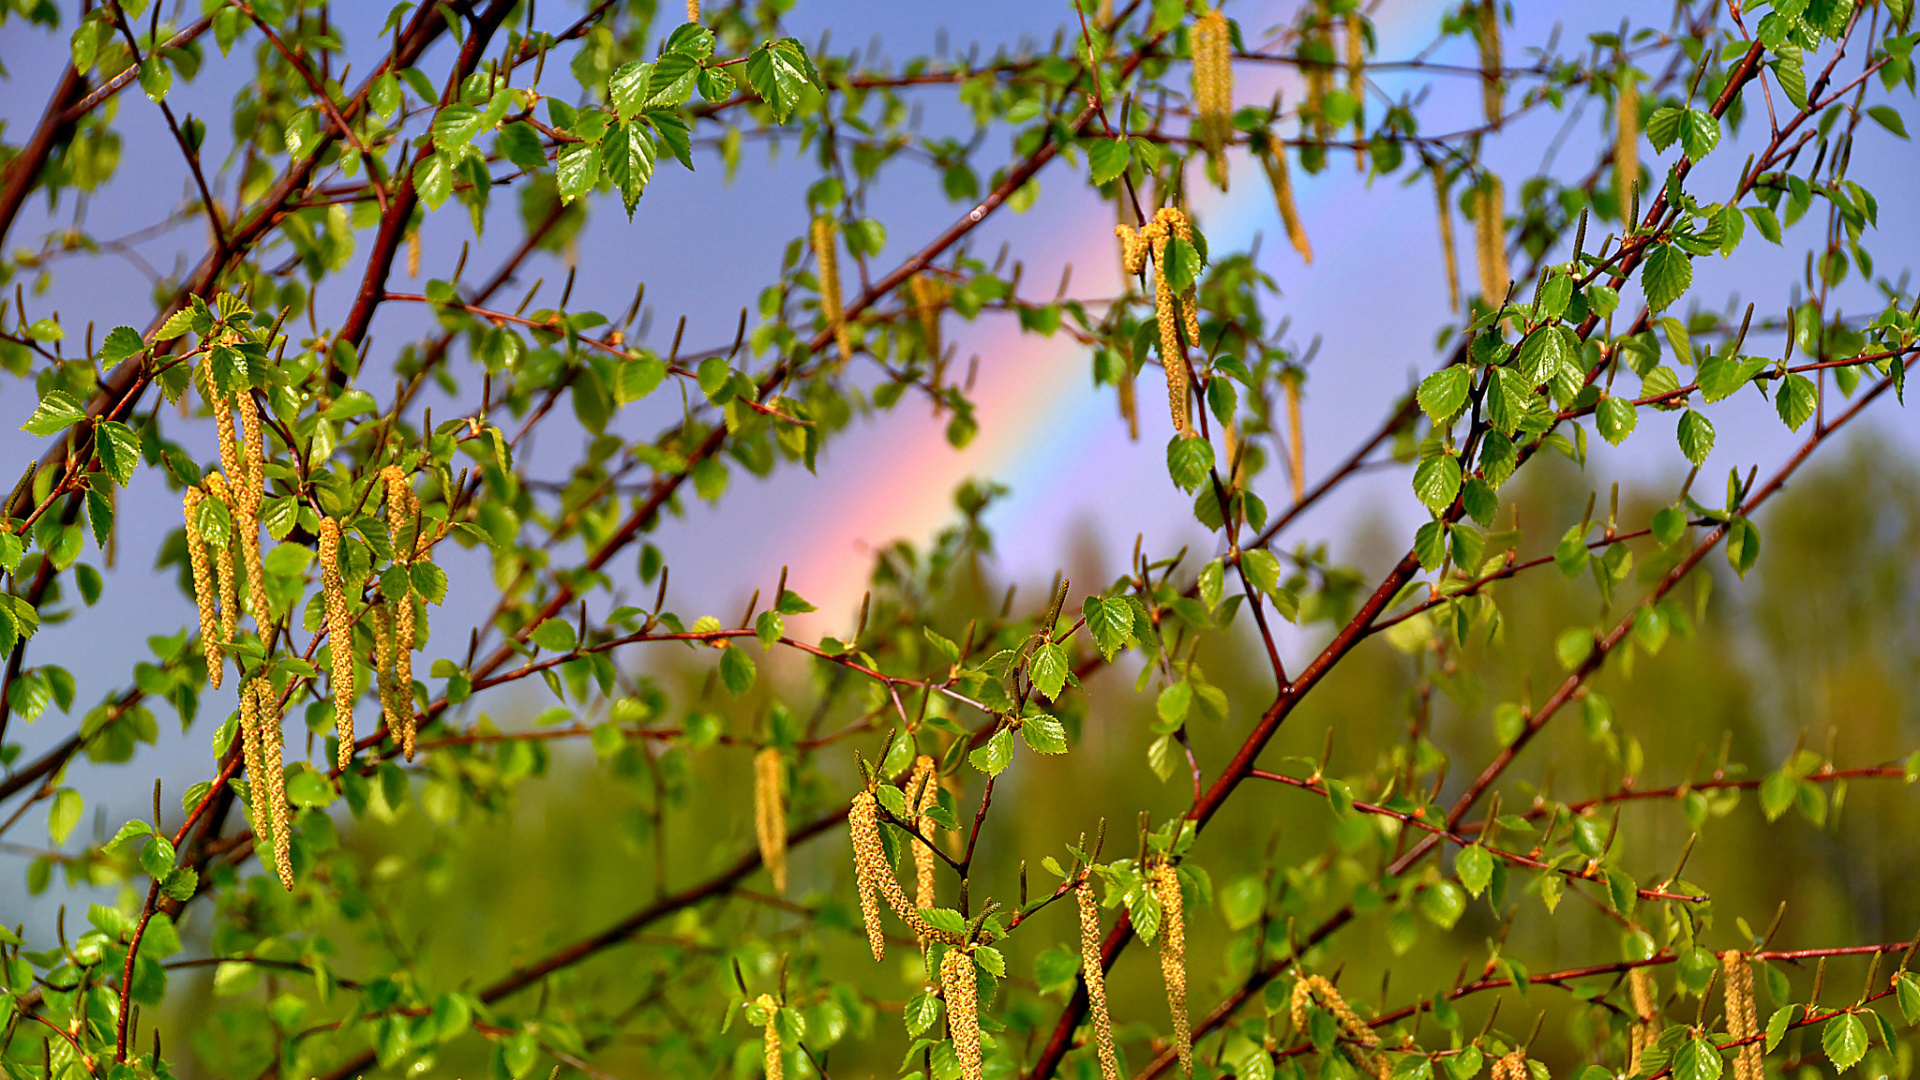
263 743
243 462
1512 1067
770 815
395 663
1173 960
226 575
963 1009
1743 1022
1493 86
333 594
1174 315
775 1068
1626 142
1357 1029
1490 236
1273 158
827 255
876 880
1646 1012
1095 975
1213 90
1447 255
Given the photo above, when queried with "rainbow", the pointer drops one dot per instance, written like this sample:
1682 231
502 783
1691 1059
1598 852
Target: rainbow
1045 432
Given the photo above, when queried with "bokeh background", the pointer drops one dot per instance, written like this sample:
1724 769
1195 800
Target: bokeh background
1824 638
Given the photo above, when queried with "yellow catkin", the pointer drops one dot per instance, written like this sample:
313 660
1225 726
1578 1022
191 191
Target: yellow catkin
1274 160
203 595
229 441
405 617
1129 404
1743 1022
827 255
403 510
1173 961
247 487
1174 317
693 11
770 814
269 783
1356 1028
1512 1067
1177 224
1492 85
413 254
1447 254
929 296
1490 248
380 622
333 591
963 1010
1626 141
869 864
1095 975
1296 437
1134 244
1213 90
1357 84
223 563
1318 74
922 782
1646 1011
775 1068
250 755
403 527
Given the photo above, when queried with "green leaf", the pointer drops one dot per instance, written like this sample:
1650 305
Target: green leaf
119 449
1699 133
1663 127
121 342
1188 460
1743 545
1182 267
630 88
100 516
994 754
779 71
1667 275
1615 417
1044 734
55 413
1777 1025
1697 1059
1442 903
1887 117
1844 1038
1048 669
629 155
1474 866
1437 481
1794 400
737 670
433 180
578 170
1695 434
309 787
519 143
455 127
1109 623
1108 158
1444 393
1907 990
64 814
554 635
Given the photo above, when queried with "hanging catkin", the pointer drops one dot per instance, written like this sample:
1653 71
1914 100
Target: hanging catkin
1626 141
1490 236
1274 159
1094 972
1357 85
203 595
963 1009
770 815
333 592
1492 85
1646 1024
1318 73
1296 436
1134 244
380 623
929 296
270 782
693 11
253 451
229 442
413 254
246 485
1173 315
1743 1023
1173 961
250 755
1447 254
223 562
922 784
828 257
403 527
775 1069
1512 1067
869 865
1213 90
